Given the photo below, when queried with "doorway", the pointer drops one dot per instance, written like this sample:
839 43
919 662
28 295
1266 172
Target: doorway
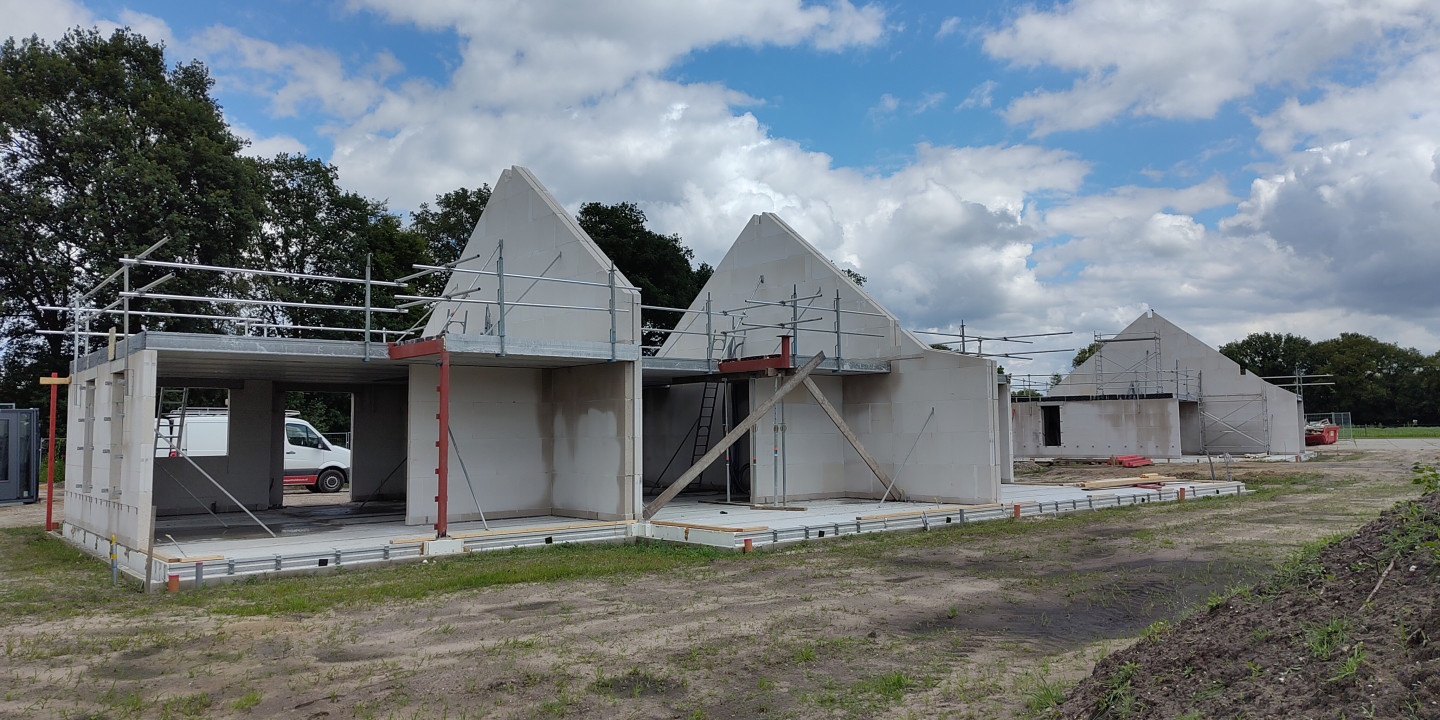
1050 424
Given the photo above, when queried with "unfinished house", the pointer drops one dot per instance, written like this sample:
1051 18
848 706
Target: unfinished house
1157 391
515 410
929 420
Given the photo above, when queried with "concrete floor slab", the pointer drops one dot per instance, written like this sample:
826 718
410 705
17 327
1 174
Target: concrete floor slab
325 537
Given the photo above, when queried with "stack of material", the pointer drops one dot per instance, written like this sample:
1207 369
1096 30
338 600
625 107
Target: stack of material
1131 461
1154 480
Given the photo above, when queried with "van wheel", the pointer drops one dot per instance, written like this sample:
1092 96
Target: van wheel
330 481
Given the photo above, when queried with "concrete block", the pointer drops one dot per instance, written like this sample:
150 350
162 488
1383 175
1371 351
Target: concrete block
443 546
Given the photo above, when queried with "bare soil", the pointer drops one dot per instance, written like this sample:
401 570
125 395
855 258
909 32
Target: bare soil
984 621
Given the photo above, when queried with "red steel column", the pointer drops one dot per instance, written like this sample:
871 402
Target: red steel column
442 500
50 467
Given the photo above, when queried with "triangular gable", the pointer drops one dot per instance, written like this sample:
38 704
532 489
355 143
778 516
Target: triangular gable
540 239
1134 353
769 263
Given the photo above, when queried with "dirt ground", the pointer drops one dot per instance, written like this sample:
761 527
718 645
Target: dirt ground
989 620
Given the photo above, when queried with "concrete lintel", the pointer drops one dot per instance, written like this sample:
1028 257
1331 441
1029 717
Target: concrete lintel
665 368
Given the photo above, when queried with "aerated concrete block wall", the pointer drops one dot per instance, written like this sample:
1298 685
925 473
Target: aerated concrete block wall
109 449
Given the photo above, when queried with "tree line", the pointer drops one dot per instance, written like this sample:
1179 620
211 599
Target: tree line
105 150
1377 382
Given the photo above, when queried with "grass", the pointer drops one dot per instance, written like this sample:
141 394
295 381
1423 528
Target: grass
1366 431
42 576
1324 640
1118 700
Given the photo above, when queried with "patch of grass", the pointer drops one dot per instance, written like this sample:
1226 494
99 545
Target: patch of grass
637 682
248 700
1366 431
1323 640
1044 694
891 685
186 706
1351 664
1118 699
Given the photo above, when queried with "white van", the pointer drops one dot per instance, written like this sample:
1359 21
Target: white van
310 459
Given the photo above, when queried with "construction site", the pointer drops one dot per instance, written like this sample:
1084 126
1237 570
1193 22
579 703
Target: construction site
525 409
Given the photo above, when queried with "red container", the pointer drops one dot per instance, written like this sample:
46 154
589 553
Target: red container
1328 435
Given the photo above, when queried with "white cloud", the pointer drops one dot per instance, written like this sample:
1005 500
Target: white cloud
1184 60
980 96
269 146
948 26
49 20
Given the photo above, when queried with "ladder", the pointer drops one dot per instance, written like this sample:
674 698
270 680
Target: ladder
706 421
170 420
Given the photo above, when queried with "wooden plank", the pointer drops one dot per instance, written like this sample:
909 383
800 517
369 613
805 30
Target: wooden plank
1113 483
981 507
845 430
912 513
716 528
792 508
412 541
54 380
547 528
714 454
192 559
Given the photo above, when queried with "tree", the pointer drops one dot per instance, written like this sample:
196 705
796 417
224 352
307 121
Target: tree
855 277
1085 354
1377 382
314 226
1271 354
446 228
104 151
657 264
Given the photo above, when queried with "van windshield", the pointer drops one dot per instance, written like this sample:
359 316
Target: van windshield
303 436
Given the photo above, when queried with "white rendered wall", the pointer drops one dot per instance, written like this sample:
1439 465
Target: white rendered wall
1101 428
109 455
540 239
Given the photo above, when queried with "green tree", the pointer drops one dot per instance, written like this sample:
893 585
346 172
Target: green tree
447 227
1375 381
657 264
105 150
1271 354
855 277
314 226
1085 354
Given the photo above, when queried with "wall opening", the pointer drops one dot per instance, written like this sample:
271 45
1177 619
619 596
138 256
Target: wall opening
318 437
1050 424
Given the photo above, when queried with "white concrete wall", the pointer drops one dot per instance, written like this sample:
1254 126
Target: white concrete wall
378 445
1101 428
957 458
109 453
596 448
534 442
540 239
252 470
814 461
669 419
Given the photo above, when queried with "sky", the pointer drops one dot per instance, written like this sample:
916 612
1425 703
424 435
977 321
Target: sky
1033 167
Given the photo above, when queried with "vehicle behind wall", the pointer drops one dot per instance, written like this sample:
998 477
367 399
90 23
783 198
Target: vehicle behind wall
310 459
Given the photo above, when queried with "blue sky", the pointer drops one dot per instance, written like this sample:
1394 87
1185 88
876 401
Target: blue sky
1024 167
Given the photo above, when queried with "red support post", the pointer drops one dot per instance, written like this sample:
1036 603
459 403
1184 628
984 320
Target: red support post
50 466
442 500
